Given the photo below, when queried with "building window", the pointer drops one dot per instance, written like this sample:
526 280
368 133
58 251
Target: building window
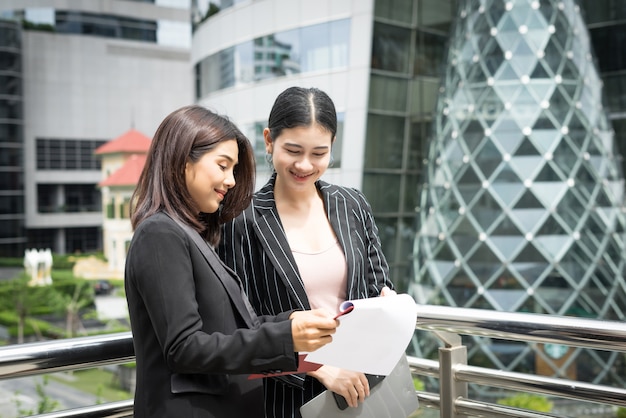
67 154
313 48
108 26
110 210
53 198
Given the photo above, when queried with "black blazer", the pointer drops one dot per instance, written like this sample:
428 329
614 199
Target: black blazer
255 246
195 341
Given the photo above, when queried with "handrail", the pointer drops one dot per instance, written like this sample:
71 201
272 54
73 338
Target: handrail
67 354
542 328
446 322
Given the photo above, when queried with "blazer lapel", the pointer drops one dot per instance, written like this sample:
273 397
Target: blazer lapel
226 276
342 222
270 232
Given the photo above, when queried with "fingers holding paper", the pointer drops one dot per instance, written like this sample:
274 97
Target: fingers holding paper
312 329
386 291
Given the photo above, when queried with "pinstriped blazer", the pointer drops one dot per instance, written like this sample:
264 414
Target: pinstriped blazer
255 246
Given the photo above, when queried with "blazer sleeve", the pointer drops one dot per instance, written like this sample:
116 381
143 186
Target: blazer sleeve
161 269
377 267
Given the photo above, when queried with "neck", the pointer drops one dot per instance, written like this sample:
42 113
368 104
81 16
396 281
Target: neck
295 198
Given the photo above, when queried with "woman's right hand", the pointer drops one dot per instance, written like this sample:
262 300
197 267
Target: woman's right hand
312 329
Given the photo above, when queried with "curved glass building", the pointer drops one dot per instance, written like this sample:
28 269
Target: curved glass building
522 205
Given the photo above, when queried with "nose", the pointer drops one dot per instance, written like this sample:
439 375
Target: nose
304 164
229 181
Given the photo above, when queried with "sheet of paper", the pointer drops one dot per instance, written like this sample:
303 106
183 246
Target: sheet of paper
372 335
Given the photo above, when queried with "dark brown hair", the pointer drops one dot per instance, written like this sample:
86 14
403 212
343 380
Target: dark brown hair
185 135
300 106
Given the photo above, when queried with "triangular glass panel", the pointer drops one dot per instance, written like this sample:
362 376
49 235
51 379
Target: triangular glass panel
469 178
553 57
549 193
527 148
603 200
506 177
465 242
569 71
531 306
529 201
523 52
473 134
507 92
507 192
443 253
581 310
537 39
559 106
507 73
507 246
481 303
565 157
550 173
484 262
464 228
541 90
527 166
527 219
526 108
505 227
443 269
553 245
476 74
544 139
540 72
536 259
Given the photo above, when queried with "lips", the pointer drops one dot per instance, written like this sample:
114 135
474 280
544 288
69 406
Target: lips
221 193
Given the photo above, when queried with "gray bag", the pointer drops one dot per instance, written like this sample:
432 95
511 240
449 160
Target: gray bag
393 397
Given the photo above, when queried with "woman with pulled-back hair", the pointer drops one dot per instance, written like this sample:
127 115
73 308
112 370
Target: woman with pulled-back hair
196 338
304 243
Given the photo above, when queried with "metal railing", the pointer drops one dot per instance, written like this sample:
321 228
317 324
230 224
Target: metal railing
452 370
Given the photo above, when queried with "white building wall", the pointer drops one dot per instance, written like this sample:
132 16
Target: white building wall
87 87
349 87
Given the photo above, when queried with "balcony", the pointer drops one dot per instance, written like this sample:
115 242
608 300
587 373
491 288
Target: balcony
452 370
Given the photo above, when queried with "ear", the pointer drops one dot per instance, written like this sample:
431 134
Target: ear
269 144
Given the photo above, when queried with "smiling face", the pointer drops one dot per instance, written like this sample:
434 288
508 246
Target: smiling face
209 179
300 155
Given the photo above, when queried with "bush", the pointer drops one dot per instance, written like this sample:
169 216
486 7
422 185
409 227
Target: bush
526 401
621 412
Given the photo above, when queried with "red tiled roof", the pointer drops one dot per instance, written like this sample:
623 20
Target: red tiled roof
128 174
132 141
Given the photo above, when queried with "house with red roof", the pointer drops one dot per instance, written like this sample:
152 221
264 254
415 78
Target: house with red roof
123 159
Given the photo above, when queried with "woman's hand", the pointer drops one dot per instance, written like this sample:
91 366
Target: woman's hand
385 291
312 329
353 386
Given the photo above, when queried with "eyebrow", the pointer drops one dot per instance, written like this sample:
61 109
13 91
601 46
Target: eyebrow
228 157
290 144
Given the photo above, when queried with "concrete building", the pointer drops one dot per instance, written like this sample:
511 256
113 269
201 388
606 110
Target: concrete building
75 75
122 162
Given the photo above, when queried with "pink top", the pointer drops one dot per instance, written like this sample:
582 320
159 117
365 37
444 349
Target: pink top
325 276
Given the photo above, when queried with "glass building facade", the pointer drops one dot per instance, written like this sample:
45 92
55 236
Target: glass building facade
12 239
409 41
522 201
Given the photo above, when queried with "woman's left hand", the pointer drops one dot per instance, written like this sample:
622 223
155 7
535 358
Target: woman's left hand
353 386
387 292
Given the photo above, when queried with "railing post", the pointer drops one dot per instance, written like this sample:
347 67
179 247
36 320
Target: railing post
450 388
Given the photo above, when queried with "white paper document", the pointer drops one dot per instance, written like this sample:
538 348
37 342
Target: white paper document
372 335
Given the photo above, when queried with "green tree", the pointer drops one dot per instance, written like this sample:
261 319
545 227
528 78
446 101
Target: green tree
16 295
